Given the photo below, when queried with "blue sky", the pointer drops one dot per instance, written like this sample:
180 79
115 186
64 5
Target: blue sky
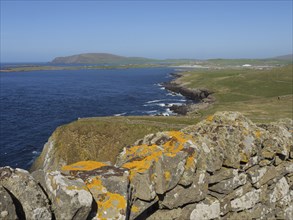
34 31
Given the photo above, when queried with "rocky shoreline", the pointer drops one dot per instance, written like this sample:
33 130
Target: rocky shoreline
199 98
225 167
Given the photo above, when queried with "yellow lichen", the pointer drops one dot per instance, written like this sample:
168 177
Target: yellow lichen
76 188
167 175
243 157
190 163
257 134
134 209
83 166
210 118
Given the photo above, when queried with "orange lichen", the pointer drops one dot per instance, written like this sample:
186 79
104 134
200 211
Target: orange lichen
105 199
83 166
190 162
149 154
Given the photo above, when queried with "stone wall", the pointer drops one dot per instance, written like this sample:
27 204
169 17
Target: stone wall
225 167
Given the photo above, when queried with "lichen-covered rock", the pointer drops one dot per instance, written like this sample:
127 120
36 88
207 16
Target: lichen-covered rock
172 214
25 189
69 196
7 207
229 137
107 184
139 208
158 167
180 196
207 209
228 185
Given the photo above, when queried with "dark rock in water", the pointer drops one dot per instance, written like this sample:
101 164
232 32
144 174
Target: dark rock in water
192 94
179 109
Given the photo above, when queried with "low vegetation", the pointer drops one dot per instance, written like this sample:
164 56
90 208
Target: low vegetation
261 94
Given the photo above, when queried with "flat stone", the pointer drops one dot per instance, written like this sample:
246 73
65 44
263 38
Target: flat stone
180 196
227 186
207 209
222 174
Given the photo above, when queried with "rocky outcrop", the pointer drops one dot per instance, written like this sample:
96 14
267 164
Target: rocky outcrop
202 97
225 167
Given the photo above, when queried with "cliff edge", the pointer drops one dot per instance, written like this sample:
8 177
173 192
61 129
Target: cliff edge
225 167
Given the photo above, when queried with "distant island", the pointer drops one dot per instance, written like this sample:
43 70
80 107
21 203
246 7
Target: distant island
100 58
112 61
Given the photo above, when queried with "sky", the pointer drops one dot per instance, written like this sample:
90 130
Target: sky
38 31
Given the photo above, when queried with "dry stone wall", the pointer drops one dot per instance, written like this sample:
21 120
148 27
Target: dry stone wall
225 167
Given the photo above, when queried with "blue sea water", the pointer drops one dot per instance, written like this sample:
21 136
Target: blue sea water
34 103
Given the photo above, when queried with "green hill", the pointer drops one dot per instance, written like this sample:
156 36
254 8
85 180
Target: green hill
100 58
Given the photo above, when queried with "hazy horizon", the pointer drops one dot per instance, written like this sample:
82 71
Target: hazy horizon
38 31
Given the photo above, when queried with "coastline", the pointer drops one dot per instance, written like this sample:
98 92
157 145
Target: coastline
200 98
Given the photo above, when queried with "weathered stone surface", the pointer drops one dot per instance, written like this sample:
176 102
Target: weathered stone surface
207 209
180 196
70 197
107 184
227 186
173 214
139 208
247 201
235 136
26 190
223 174
281 190
7 207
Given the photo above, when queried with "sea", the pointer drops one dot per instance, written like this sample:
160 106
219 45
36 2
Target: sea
33 104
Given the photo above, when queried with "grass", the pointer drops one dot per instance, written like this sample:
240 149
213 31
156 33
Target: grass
103 138
262 95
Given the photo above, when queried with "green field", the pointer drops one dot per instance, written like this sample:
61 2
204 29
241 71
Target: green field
262 95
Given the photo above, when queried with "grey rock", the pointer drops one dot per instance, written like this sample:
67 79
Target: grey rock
168 171
70 197
180 196
223 174
160 214
139 206
207 209
7 207
227 186
26 190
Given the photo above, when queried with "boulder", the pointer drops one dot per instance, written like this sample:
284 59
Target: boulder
108 185
228 185
180 195
26 191
7 207
69 196
207 209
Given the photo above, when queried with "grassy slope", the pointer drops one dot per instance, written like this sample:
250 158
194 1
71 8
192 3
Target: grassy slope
91 138
253 92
